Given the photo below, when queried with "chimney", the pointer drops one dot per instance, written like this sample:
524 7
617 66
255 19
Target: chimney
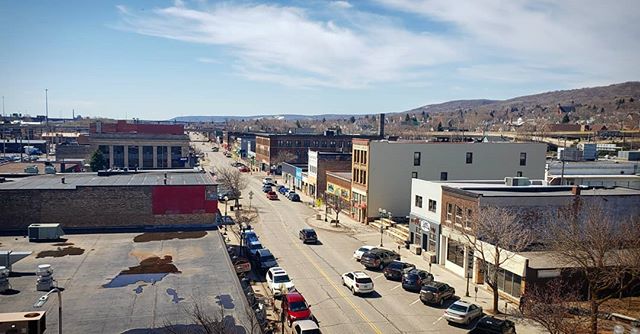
381 127
575 190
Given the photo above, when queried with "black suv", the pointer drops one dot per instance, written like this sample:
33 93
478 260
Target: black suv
415 279
396 269
308 235
491 325
378 258
436 293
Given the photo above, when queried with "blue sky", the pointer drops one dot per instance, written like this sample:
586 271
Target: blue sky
161 59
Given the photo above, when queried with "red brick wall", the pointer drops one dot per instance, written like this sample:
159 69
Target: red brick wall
124 127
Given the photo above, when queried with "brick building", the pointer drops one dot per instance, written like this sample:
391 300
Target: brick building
339 188
319 164
89 200
270 148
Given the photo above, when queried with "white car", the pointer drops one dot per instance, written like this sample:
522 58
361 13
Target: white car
305 327
277 279
357 254
462 312
357 282
268 181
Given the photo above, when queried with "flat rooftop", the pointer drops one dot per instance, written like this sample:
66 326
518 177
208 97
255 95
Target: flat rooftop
500 190
99 298
343 175
74 180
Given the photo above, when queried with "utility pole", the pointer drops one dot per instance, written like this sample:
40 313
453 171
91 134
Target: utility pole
46 108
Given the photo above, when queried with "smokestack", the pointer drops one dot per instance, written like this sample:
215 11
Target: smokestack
381 127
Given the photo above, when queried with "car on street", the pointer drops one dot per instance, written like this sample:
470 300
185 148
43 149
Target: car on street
305 327
278 281
254 247
268 181
358 282
230 195
462 312
227 154
294 197
265 259
248 236
378 258
414 279
266 188
357 254
394 270
226 220
243 169
272 195
215 149
242 265
282 189
436 293
308 235
493 325
237 164
295 307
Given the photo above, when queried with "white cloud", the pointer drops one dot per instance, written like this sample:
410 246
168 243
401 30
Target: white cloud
595 39
341 4
208 60
285 45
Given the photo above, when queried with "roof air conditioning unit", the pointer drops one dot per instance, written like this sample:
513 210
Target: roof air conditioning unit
517 181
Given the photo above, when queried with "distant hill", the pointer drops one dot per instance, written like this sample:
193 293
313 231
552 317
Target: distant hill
452 105
286 117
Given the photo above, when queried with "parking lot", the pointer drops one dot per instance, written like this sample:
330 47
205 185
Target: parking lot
128 283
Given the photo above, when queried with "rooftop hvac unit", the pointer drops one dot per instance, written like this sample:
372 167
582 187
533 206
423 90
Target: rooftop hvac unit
23 322
44 282
517 181
4 279
39 232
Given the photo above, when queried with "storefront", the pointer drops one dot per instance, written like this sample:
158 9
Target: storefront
425 233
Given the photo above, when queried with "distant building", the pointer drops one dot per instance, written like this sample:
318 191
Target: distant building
339 189
319 164
382 170
601 173
93 201
271 148
292 174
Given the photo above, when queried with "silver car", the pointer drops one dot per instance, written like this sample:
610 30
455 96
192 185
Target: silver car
462 312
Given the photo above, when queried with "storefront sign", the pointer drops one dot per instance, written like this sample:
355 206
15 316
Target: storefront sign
424 225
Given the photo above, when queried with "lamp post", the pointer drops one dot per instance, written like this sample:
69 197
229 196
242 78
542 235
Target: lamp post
226 199
382 213
43 300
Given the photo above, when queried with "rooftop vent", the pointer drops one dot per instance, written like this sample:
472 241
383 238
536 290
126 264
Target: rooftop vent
517 181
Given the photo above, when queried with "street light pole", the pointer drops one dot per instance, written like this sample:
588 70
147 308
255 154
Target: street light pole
43 300
226 200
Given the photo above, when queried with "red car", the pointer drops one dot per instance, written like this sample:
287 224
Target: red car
272 195
295 307
243 169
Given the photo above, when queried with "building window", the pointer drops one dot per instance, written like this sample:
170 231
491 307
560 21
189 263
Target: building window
449 211
432 205
469 157
414 175
364 177
161 156
519 173
455 252
444 176
176 156
458 215
467 221
523 159
431 244
508 282
418 201
133 156
147 156
416 158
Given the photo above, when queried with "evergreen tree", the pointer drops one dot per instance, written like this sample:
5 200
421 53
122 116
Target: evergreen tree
298 123
440 129
352 119
407 118
97 162
565 119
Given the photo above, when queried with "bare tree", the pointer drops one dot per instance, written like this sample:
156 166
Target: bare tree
496 235
604 250
548 306
232 180
283 156
201 320
335 203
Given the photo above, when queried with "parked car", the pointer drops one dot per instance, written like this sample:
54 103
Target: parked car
462 312
295 307
237 164
436 293
249 236
243 169
265 259
242 265
308 235
378 258
305 327
281 189
414 279
277 279
215 149
230 195
268 181
493 325
266 188
290 192
294 197
272 195
226 220
357 282
357 254
254 247
396 269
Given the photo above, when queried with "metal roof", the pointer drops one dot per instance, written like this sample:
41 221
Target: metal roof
74 180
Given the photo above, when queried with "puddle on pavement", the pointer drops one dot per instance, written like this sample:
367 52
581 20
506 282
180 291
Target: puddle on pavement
225 301
174 295
60 252
158 236
150 270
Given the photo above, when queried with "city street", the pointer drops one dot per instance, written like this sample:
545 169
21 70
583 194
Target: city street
316 269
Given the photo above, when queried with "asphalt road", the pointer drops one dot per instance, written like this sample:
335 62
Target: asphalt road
316 269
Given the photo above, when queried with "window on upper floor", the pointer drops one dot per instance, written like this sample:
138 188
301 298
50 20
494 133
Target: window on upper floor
418 201
449 211
519 173
469 157
414 175
432 205
444 176
523 159
416 158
